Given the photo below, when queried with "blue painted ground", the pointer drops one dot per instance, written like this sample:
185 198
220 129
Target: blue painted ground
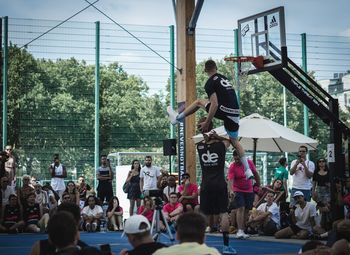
21 243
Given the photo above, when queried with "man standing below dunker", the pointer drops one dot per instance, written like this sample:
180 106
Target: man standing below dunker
222 104
213 192
10 166
104 177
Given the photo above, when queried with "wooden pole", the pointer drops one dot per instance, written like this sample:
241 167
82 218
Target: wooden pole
186 79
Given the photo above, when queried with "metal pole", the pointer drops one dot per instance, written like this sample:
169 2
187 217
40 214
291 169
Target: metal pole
97 100
236 65
5 83
304 67
172 87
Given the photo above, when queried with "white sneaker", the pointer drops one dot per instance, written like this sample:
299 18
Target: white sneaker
241 235
248 174
93 227
208 229
172 115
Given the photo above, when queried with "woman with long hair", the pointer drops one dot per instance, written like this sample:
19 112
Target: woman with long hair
72 191
134 192
114 215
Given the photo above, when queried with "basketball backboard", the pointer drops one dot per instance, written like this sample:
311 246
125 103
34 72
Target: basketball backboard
263 34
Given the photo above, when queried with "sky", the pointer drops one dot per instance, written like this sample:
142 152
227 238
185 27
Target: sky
321 17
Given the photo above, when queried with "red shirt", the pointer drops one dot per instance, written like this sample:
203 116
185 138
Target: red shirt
169 208
192 188
148 215
236 173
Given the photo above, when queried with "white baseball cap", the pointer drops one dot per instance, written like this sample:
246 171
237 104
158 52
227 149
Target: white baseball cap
298 193
133 225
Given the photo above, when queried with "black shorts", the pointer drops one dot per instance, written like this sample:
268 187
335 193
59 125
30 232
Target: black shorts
229 124
295 228
213 203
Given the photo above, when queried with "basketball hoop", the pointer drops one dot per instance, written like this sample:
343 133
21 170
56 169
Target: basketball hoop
258 61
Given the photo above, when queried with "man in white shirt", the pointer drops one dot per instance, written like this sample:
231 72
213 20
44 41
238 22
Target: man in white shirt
92 214
149 175
266 217
303 219
302 171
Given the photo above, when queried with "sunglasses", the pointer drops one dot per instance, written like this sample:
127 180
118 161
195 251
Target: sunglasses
186 177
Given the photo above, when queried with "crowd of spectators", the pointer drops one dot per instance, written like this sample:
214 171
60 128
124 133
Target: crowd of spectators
259 210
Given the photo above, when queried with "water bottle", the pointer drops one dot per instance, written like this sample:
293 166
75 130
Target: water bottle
103 226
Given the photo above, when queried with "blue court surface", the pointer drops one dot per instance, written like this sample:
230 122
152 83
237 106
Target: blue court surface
21 243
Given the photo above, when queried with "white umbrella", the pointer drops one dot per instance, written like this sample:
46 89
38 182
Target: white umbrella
258 133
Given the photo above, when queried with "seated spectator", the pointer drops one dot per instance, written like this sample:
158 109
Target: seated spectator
50 192
266 218
82 188
114 215
6 190
41 197
73 193
25 190
189 194
303 219
260 193
281 173
147 209
191 235
92 214
33 215
11 216
137 229
63 234
173 209
171 187
45 247
162 181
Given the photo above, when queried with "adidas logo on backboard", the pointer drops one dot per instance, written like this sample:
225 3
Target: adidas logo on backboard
273 22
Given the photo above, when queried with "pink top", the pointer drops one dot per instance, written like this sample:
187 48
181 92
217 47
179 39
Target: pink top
192 189
148 215
170 208
236 173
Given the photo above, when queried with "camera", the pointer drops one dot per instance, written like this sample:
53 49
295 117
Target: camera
153 193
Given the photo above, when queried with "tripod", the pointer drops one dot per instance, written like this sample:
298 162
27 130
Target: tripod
155 227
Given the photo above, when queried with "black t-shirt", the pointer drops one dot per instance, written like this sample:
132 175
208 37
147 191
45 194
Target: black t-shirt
321 180
225 93
146 249
212 160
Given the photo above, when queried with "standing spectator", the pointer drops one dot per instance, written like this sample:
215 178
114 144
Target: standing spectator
189 194
58 173
173 209
137 229
115 215
73 192
170 188
104 176
302 170
191 235
149 175
242 190
281 173
134 192
3 159
321 182
266 218
10 166
11 216
5 191
163 179
213 192
92 213
25 190
33 215
303 219
82 187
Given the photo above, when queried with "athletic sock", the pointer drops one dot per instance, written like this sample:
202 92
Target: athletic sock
225 237
245 163
180 116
